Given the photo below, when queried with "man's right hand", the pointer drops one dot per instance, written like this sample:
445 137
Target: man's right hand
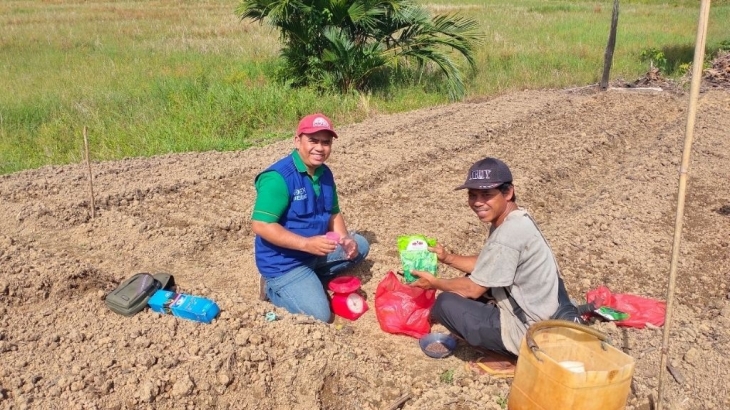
319 245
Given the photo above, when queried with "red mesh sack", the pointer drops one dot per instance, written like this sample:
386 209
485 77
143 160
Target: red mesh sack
403 309
641 310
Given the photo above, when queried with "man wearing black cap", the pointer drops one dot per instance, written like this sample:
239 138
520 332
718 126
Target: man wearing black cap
512 283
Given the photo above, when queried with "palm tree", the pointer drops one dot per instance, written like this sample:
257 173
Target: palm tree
354 44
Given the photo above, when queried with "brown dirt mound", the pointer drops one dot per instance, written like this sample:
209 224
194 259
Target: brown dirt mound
599 171
654 78
719 74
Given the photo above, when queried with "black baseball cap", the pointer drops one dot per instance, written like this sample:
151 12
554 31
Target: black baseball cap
487 173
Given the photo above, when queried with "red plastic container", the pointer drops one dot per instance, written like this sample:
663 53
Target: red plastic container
344 284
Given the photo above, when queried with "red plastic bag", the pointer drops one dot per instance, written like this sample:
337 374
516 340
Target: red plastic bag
403 309
641 310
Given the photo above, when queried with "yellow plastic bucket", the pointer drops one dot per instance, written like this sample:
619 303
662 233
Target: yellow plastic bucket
565 365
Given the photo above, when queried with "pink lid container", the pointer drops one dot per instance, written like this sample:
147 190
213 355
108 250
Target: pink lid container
333 236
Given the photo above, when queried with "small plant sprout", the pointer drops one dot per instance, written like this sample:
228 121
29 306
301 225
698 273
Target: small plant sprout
447 377
502 401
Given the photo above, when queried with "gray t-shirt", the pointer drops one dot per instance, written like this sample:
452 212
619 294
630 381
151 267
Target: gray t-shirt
516 258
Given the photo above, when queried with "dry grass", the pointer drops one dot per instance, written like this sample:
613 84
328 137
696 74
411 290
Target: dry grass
158 76
449 8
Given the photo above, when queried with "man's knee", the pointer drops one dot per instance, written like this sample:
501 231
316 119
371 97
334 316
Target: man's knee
318 308
443 306
323 315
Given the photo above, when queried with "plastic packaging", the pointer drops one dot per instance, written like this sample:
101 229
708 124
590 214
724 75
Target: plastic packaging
641 310
414 255
611 314
403 309
340 252
195 308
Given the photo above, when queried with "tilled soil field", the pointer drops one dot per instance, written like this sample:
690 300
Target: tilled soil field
598 170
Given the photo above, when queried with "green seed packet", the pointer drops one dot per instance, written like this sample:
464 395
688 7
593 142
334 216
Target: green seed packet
414 255
611 314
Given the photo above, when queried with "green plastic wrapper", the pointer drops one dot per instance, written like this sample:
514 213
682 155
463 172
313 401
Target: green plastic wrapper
611 314
414 255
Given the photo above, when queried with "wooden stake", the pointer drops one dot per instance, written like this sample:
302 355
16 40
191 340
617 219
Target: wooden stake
608 56
683 170
675 373
91 178
262 289
399 402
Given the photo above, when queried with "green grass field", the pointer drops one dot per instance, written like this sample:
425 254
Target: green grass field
161 76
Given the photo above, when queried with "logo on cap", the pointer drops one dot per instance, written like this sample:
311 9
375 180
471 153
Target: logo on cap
480 174
320 122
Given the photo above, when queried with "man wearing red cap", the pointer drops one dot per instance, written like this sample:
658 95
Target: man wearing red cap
298 224
512 283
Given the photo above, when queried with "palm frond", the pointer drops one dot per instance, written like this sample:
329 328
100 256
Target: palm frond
346 44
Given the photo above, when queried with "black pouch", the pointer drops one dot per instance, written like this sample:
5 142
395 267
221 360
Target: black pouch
131 296
167 282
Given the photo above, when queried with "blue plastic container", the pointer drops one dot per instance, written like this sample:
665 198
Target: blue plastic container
188 307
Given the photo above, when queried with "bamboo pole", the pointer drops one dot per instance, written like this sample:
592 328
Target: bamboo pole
91 179
683 170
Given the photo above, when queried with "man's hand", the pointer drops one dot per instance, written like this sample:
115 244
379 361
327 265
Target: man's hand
457 285
425 280
464 263
350 247
319 245
440 251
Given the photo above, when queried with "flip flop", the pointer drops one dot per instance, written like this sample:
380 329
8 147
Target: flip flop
493 364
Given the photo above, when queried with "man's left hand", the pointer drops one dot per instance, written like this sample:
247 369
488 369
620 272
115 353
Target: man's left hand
350 247
424 281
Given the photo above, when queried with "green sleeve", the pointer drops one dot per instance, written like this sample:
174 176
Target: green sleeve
272 197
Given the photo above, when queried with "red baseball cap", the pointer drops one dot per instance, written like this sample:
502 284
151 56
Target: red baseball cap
313 123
